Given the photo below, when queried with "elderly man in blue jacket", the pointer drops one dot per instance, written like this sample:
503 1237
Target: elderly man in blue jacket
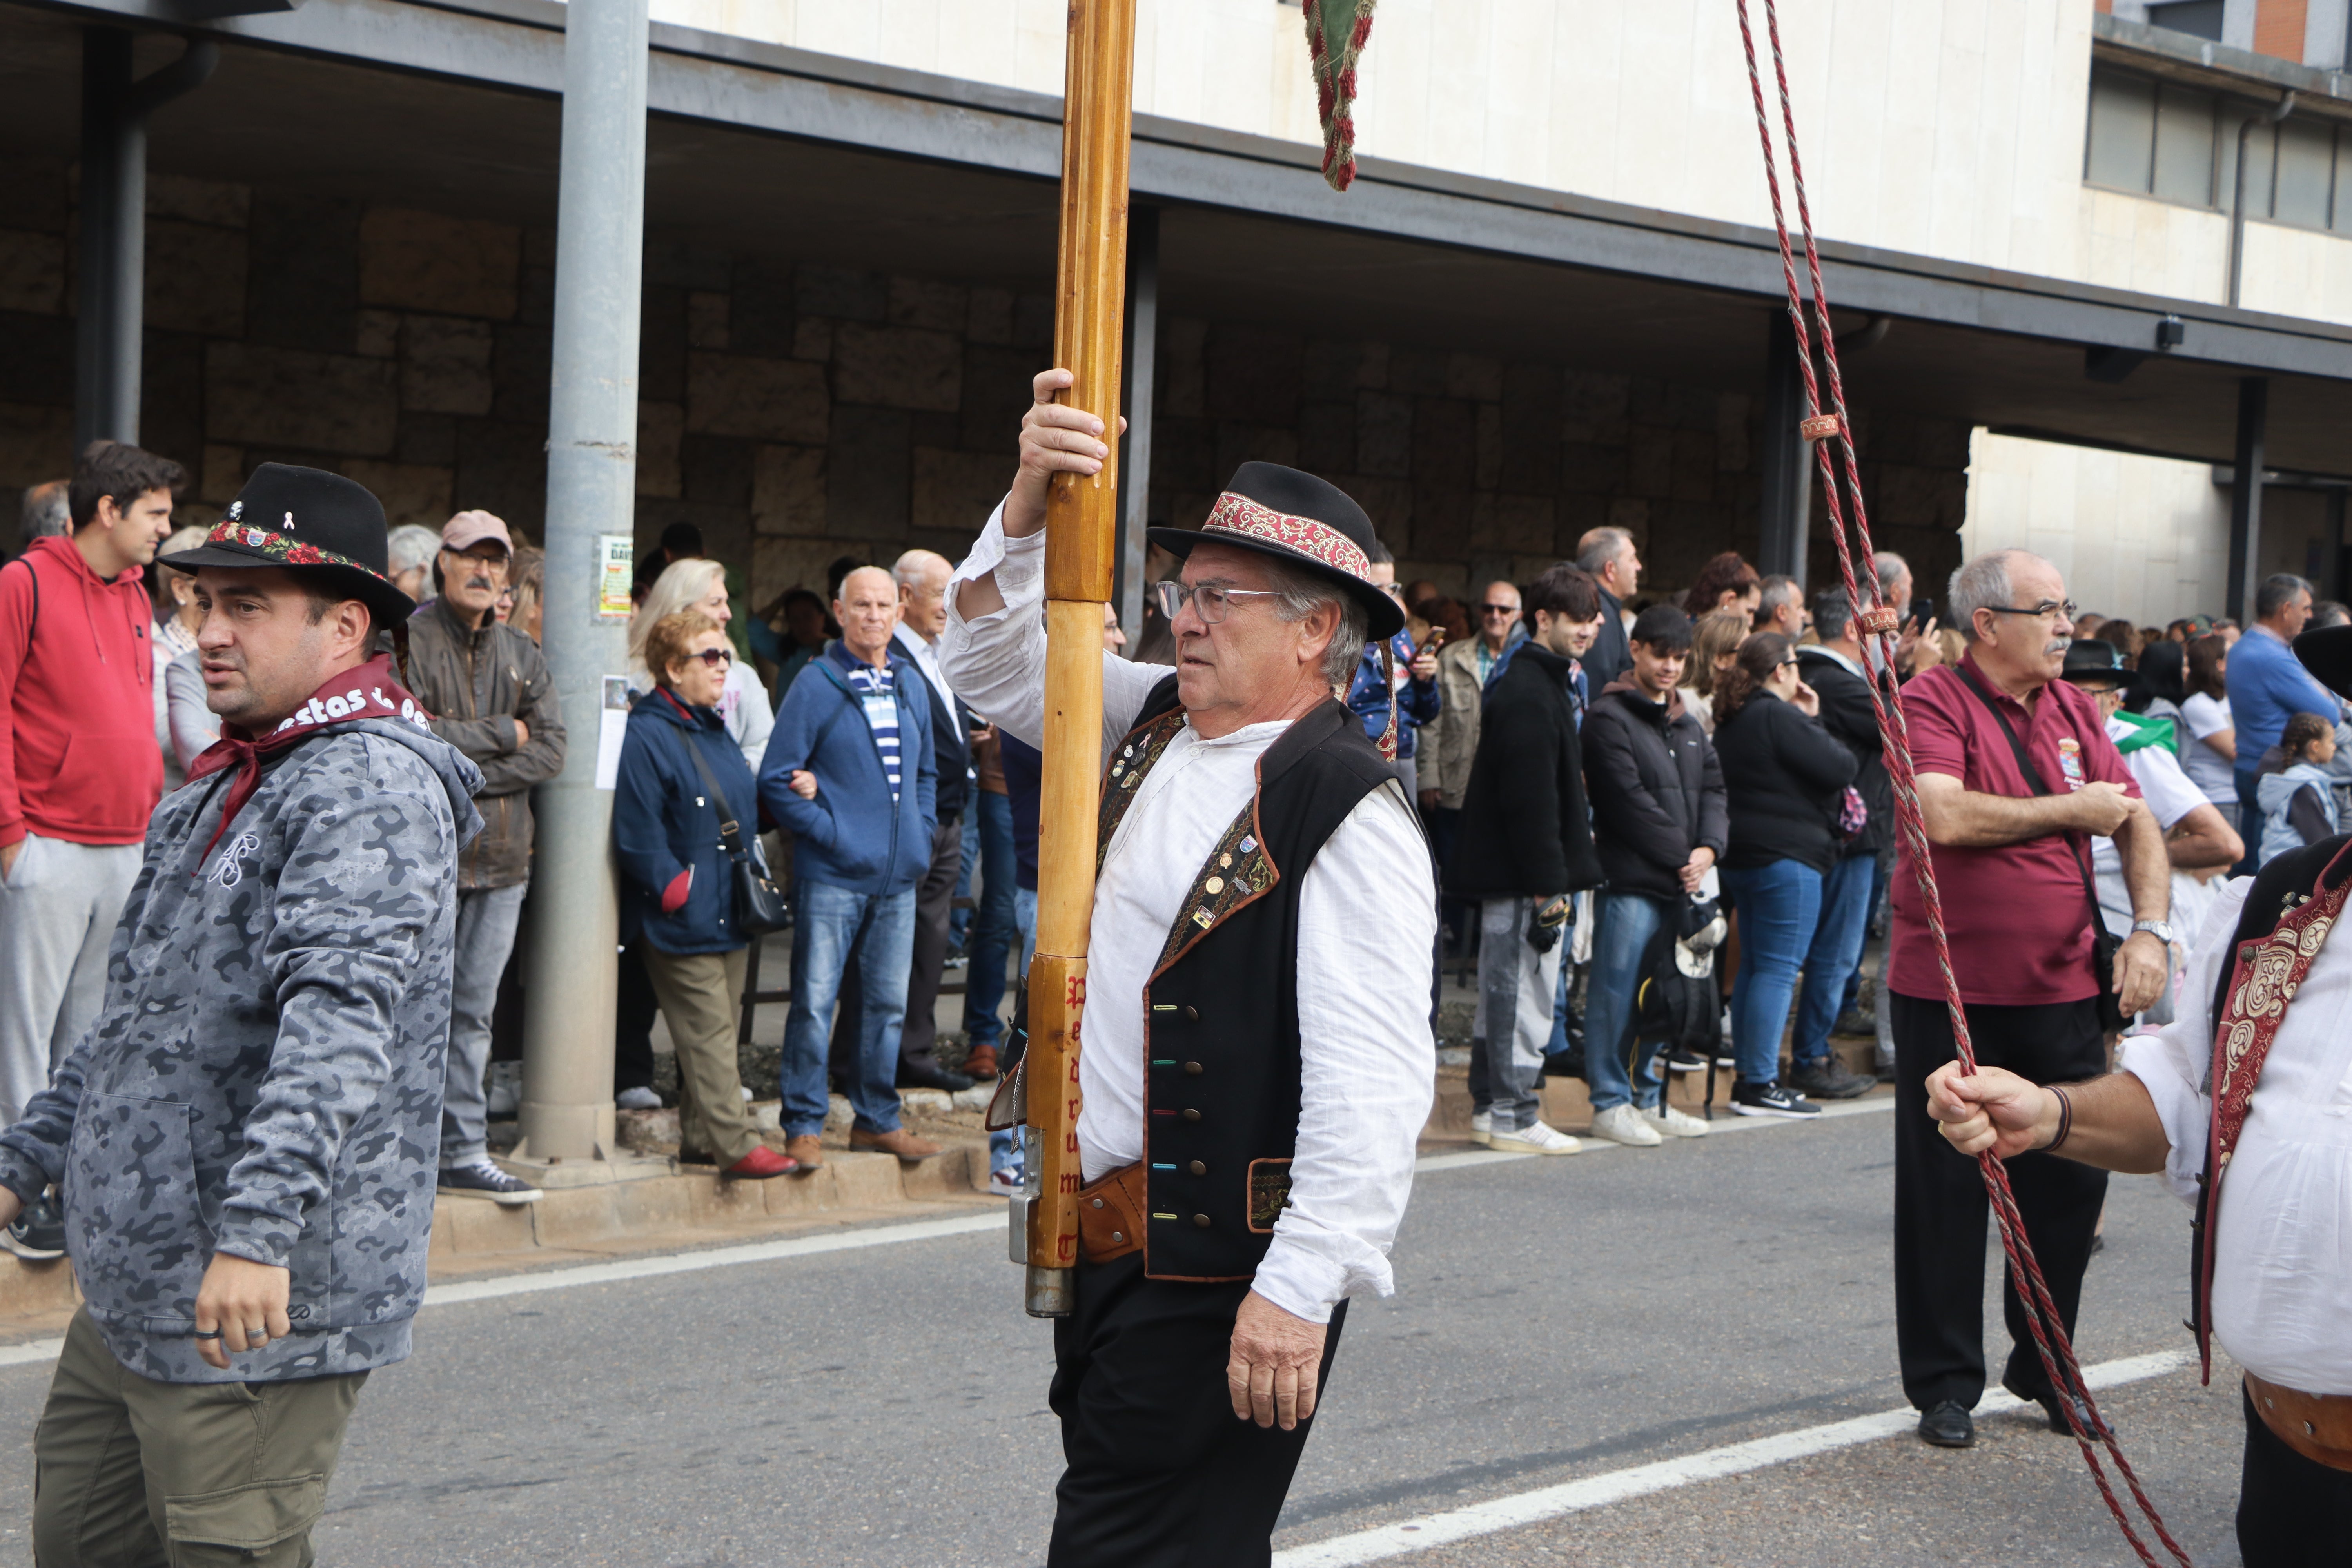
851 772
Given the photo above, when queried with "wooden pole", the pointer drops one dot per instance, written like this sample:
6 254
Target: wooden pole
1082 535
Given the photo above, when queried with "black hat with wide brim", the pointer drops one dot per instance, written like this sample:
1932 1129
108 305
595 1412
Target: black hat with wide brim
312 521
2327 654
1299 520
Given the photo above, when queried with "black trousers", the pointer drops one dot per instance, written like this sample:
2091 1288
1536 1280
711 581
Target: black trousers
1160 1475
2292 1512
1941 1209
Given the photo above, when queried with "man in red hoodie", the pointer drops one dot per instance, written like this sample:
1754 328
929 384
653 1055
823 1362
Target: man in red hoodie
79 772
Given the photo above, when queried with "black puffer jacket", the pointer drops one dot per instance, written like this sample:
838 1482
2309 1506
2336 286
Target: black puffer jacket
1657 788
1786 775
1847 714
1525 832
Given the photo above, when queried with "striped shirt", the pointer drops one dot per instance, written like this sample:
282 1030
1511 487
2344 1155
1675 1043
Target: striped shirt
878 692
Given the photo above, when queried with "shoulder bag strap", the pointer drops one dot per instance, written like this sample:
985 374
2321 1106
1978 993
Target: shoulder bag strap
730 838
2034 778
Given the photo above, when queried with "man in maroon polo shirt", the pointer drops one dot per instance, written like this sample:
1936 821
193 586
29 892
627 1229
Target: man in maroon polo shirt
2010 846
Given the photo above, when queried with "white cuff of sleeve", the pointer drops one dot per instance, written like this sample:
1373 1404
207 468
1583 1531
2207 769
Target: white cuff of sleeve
1297 1276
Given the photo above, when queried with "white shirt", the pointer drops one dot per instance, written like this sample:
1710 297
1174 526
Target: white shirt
2170 795
2283 1259
1367 927
2204 715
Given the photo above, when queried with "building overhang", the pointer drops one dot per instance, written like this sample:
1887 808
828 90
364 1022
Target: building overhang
758 148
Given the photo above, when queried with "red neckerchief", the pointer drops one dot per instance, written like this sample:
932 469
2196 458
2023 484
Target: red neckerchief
2265 978
368 692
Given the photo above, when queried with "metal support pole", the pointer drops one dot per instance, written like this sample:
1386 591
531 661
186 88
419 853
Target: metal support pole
2246 496
2335 580
1137 373
111 301
1785 523
592 481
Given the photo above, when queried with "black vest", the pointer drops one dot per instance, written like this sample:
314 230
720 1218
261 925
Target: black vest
1221 1085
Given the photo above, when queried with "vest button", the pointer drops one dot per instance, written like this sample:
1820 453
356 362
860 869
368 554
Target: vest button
1192 1014
1192 1115
1193 1070
1200 1167
1201 1220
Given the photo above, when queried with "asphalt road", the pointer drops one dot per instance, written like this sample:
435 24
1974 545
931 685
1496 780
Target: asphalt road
1555 1320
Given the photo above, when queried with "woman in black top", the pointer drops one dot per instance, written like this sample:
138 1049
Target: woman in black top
1786 778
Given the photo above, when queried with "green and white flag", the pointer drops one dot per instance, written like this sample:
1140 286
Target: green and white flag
1336 34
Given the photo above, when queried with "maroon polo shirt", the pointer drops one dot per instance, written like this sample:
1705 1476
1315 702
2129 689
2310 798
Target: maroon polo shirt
2018 918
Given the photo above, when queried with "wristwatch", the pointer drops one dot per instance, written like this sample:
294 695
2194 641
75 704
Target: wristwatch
2156 928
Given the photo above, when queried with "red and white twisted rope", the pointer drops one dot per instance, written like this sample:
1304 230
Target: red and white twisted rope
1877 622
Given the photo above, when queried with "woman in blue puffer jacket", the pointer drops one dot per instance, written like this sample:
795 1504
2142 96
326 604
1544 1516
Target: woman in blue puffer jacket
678 887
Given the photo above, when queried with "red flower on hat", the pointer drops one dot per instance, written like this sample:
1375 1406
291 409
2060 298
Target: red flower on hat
306 555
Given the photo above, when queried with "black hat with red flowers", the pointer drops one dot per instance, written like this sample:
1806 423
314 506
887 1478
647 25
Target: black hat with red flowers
1302 521
312 521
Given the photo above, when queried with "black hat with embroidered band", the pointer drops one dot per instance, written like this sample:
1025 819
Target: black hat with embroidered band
2327 652
1300 521
310 522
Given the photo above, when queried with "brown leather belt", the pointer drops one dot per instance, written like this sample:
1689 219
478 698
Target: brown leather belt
1110 1216
2316 1425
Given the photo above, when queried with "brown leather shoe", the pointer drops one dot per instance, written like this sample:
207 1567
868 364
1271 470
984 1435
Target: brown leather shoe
981 1063
807 1149
898 1140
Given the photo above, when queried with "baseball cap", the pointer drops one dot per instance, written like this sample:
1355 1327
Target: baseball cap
468 528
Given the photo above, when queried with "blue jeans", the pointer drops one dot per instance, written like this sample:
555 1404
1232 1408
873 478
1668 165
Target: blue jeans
994 931
1780 907
2251 816
1623 924
1835 956
828 924
960 920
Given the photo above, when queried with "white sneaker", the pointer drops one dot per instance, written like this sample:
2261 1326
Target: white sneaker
1004 1183
747 1095
1482 1127
1534 1139
638 1099
1623 1124
1676 1123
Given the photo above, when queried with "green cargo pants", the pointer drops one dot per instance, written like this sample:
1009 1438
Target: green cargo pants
131 1473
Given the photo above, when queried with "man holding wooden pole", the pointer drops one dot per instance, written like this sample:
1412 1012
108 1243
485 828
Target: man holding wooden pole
1255 1074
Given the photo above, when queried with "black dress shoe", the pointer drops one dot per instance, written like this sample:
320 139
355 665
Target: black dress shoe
931 1074
2056 1405
1947 1426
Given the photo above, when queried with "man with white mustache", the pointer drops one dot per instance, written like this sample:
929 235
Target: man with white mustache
2016 775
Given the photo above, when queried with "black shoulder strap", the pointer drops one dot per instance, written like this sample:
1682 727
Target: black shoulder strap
2033 777
730 836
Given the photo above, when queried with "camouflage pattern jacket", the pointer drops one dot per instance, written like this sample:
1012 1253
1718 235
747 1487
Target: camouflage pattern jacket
265 1077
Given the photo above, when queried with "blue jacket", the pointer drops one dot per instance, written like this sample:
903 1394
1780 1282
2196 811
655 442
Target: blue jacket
1369 697
2268 686
851 836
664 826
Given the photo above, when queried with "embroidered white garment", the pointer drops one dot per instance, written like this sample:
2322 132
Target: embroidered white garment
1368 926
2282 1255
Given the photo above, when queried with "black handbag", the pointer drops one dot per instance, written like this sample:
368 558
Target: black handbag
2104 944
759 905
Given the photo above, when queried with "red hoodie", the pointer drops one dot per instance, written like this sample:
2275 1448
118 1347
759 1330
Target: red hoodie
78 754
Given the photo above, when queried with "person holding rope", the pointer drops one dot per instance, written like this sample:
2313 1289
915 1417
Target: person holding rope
2248 1083
2016 774
1254 1077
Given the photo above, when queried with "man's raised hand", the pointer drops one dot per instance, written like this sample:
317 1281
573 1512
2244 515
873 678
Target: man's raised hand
1055 439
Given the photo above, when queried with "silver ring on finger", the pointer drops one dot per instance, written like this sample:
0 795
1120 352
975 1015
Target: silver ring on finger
256 1336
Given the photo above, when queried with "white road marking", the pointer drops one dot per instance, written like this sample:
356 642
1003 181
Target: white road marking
1433 1530
30 1350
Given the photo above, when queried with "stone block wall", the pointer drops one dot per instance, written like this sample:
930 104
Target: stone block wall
798 412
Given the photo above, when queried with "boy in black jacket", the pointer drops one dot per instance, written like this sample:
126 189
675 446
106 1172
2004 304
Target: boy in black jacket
1524 849
1660 824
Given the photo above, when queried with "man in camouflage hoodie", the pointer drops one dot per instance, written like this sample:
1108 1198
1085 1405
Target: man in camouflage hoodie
246 1139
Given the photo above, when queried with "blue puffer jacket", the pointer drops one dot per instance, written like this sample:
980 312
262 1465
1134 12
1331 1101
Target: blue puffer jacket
1417 701
665 826
852 834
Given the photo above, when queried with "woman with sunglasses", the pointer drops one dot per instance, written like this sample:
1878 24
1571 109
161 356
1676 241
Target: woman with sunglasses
1786 778
681 775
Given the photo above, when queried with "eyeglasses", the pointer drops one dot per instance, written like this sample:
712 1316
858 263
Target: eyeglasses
2042 611
1393 590
1211 601
716 658
1498 609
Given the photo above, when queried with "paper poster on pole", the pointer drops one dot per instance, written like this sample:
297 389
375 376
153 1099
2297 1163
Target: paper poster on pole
611 728
615 568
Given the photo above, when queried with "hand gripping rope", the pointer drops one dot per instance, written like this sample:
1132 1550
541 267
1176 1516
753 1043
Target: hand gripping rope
1832 438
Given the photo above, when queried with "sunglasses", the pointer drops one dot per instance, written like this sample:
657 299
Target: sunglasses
1498 609
715 658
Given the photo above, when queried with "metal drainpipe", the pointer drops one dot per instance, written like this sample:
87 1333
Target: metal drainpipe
110 311
2238 194
591 472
